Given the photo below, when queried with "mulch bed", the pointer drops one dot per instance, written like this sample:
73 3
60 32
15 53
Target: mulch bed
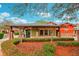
30 47
67 51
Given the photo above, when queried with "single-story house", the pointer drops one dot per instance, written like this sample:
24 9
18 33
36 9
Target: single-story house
35 30
48 30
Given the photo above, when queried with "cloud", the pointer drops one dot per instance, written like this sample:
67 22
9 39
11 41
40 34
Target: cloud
17 20
14 20
44 14
58 21
5 14
1 20
0 5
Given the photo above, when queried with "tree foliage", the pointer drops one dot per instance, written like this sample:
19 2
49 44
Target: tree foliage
57 10
41 22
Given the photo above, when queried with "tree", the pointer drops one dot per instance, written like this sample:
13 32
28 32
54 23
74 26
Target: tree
31 8
57 10
41 22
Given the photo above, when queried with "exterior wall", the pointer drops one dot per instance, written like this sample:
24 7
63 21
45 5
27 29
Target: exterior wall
77 35
67 32
35 33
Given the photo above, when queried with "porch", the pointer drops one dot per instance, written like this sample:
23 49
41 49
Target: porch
41 31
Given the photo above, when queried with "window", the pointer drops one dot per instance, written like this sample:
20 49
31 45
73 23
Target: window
46 32
50 32
41 33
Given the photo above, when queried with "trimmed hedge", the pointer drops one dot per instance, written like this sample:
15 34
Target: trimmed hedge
62 39
36 39
68 43
1 35
49 50
9 49
17 40
47 39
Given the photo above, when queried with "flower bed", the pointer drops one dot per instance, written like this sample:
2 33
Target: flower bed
67 48
40 47
9 48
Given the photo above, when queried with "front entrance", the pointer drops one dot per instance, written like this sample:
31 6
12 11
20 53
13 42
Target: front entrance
27 33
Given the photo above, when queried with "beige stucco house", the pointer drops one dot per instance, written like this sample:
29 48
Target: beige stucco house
35 30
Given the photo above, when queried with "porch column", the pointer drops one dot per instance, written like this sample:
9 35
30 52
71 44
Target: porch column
21 33
59 34
11 33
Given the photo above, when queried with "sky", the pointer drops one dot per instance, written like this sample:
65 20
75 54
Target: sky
6 12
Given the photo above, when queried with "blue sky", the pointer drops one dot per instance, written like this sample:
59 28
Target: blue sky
6 11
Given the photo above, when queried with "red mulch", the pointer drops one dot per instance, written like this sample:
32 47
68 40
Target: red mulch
30 47
67 51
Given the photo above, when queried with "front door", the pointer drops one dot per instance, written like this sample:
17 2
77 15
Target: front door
27 33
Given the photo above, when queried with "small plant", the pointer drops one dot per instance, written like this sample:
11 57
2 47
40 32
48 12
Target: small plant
16 41
1 35
49 50
16 33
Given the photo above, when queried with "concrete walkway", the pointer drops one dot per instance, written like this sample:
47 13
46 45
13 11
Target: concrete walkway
2 40
0 50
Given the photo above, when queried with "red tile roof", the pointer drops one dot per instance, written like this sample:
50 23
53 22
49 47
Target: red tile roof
67 24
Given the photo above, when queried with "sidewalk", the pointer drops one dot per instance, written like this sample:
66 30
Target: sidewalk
2 40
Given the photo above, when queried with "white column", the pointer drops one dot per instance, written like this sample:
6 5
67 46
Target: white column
43 32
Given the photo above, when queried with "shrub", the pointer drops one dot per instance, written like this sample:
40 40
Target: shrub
44 39
75 43
62 44
49 50
16 41
68 43
62 39
16 33
36 39
9 49
1 35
